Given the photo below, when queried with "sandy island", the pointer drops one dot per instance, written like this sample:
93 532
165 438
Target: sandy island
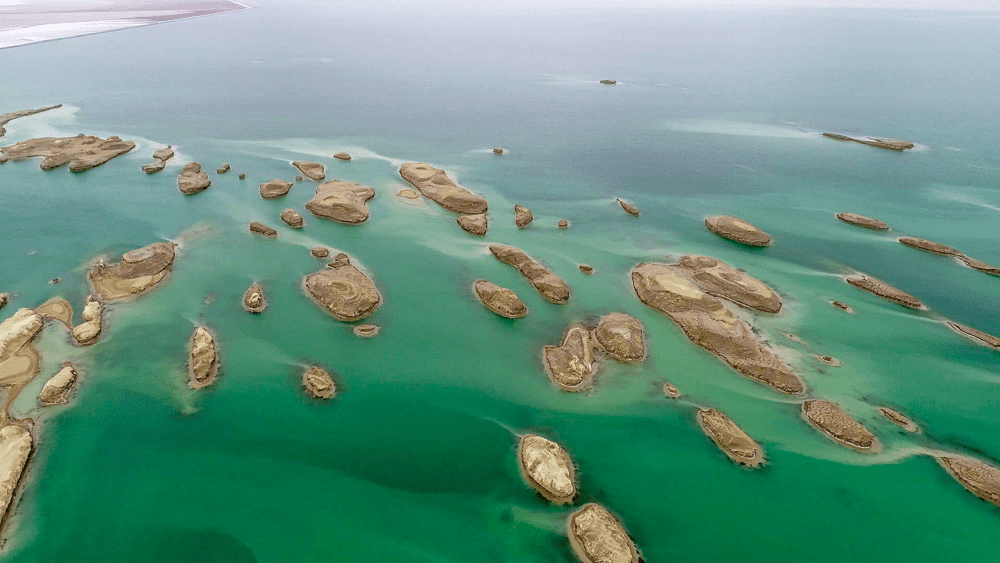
596 536
547 467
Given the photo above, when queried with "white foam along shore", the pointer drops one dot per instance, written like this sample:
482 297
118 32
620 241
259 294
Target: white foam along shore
26 23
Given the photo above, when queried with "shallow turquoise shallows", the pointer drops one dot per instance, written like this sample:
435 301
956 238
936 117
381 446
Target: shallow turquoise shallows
715 112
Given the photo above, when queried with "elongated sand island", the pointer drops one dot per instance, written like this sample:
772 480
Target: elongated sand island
596 536
979 478
717 278
292 218
899 419
203 359
737 230
6 118
730 438
344 202
622 337
977 336
547 467
435 184
573 364
710 325
58 389
929 246
980 265
837 425
15 449
82 152
862 221
192 180
628 207
878 142
311 170
253 299
318 384
548 285
343 290
139 271
885 291
500 300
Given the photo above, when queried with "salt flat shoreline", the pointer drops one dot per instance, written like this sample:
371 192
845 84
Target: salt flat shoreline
41 27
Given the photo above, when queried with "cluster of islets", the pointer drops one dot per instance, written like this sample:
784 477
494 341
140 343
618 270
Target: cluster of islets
693 293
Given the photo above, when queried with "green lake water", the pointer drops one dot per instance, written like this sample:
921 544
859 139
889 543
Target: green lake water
716 112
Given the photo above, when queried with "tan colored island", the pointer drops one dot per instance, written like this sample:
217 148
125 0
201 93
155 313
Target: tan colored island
586 268
977 336
292 218
842 306
828 360
344 202
275 188
885 291
717 278
837 425
312 170
596 536
342 156
547 467
475 224
4 299
879 142
160 158
318 384
671 391
192 180
899 419
622 337
929 246
407 193
522 216
367 331
710 325
628 207
223 169
57 309
139 271
978 478
573 364
563 224
500 300
435 184
548 285
737 230
203 359
254 300
343 290
980 265
82 152
6 118
15 448
262 229
730 438
320 252
862 221
93 319
59 387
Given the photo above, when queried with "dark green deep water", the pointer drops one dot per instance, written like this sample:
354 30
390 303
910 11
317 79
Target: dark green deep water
717 112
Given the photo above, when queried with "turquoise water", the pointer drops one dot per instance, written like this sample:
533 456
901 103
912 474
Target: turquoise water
716 112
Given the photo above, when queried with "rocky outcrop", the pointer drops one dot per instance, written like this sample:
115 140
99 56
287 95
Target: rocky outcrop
342 156
203 359
6 118
563 224
499 151
862 221
475 224
139 271
899 419
710 325
671 391
192 180
842 306
17 331
977 336
343 290
366 331
980 265
622 337
730 438
885 291
977 477
292 218
160 158
223 169
737 230
407 193
572 364
836 424
262 229
522 216
586 269
828 360
242 176
549 285
547 467
344 202
82 152
628 207
274 189
320 252
93 317
15 449
929 246
882 143
254 300
596 536
500 300
717 278
318 384
435 184
4 299
59 387
311 170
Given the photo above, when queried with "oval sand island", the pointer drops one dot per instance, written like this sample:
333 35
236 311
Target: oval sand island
885 291
730 438
547 467
863 221
343 290
500 300
317 383
596 536
837 425
622 337
737 230
435 184
929 246
978 478
344 202
275 188
899 419
203 359
253 299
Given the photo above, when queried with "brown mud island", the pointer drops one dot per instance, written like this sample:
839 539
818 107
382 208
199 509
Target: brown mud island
899 419
6 118
139 271
977 336
225 168
4 299
978 478
622 337
671 391
274 188
717 278
730 438
587 269
407 193
342 156
980 265
880 142
311 170
160 158
320 252
563 224
628 207
292 218
929 246
318 384
344 202
548 285
885 291
82 152
842 306
203 359
710 325
737 230
547 467
59 387
596 536
862 221
475 224
573 364
262 229
435 184
343 290
254 300
837 425
192 180
522 216
500 300
828 360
